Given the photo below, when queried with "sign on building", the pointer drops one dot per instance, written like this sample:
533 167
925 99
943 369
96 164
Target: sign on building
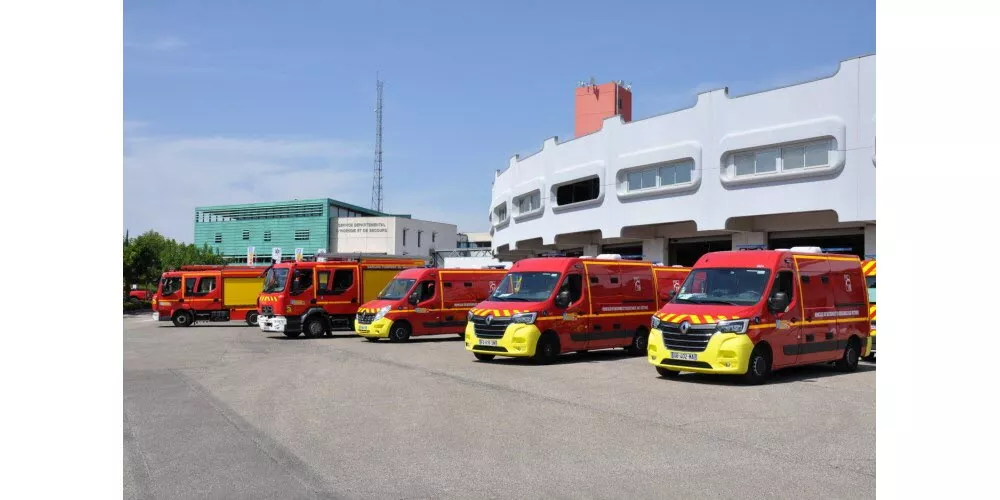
250 255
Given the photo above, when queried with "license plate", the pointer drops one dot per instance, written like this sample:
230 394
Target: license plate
362 328
484 342
156 316
690 356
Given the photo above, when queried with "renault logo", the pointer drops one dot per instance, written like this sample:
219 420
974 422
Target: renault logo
489 319
685 326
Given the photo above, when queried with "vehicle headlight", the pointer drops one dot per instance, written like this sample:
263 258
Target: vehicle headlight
469 316
382 312
654 322
525 318
732 326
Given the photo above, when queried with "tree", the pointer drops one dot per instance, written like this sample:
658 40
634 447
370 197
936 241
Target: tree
148 255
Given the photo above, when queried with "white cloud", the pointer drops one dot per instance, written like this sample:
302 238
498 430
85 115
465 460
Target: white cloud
166 178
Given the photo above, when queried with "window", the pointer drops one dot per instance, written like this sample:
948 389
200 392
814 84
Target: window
574 283
301 235
301 280
434 237
206 285
676 173
500 213
426 291
404 236
171 285
529 202
246 234
420 237
793 157
662 175
267 235
189 285
784 282
579 191
218 237
343 280
322 281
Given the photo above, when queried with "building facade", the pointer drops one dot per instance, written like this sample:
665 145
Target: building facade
784 167
391 235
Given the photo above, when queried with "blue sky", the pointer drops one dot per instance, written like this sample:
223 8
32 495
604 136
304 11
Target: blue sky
232 102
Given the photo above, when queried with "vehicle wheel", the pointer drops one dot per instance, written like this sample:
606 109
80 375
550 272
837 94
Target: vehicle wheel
547 349
183 318
666 372
314 327
759 367
849 362
292 335
400 332
484 357
461 335
870 358
252 318
639 343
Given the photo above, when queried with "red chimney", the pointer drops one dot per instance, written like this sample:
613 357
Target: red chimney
595 103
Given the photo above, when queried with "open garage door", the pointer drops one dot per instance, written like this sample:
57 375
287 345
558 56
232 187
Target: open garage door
687 251
848 241
627 250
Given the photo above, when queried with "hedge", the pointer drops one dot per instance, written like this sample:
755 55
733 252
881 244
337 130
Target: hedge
137 305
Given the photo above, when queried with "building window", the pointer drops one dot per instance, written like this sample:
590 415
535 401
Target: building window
500 213
267 235
218 237
792 157
529 203
420 237
404 236
434 237
301 235
246 234
579 191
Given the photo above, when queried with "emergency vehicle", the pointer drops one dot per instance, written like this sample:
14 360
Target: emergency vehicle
869 268
208 293
546 306
751 312
425 301
315 297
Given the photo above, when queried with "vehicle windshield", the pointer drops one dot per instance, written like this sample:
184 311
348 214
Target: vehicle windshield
169 286
726 286
871 288
275 279
396 289
526 287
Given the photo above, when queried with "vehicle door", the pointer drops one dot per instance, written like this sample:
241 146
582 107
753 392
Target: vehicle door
606 298
573 327
208 292
426 300
819 312
171 291
341 291
786 335
850 299
188 297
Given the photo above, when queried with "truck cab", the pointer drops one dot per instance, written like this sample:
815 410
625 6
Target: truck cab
751 312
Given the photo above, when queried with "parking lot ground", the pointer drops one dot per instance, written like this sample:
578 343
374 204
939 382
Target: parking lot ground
227 411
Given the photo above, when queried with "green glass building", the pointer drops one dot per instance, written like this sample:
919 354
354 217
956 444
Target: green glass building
231 229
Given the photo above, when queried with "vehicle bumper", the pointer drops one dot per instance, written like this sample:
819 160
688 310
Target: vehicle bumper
276 324
519 340
378 329
158 316
726 354
871 342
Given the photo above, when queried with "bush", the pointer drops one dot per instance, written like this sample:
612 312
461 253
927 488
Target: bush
136 305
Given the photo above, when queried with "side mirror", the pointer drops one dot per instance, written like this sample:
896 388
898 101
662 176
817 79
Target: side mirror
562 299
413 299
671 294
778 302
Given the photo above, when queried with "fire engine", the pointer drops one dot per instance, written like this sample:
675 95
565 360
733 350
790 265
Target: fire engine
751 312
869 268
208 293
315 297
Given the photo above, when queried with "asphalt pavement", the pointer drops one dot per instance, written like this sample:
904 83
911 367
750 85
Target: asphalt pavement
227 411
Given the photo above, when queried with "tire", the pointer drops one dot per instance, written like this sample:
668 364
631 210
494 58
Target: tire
252 318
400 332
461 335
870 358
667 373
758 367
639 343
547 349
292 335
849 361
314 327
484 357
183 318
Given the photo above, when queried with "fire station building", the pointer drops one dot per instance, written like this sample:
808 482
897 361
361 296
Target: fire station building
792 166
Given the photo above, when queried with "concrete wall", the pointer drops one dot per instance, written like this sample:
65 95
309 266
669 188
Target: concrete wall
840 107
385 235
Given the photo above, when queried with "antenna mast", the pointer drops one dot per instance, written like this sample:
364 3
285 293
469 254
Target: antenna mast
377 177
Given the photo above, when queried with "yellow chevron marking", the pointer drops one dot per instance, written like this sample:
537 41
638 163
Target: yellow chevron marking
695 320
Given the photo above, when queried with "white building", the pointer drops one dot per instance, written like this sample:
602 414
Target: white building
390 235
788 166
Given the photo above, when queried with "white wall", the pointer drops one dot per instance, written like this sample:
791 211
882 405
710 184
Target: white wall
447 237
841 107
474 262
385 235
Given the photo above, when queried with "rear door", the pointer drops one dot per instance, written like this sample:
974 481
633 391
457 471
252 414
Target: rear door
605 288
818 331
850 297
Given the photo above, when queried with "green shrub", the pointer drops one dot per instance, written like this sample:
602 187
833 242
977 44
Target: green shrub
136 305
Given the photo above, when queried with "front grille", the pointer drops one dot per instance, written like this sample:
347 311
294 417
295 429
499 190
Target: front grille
267 311
492 331
366 317
685 362
695 340
491 348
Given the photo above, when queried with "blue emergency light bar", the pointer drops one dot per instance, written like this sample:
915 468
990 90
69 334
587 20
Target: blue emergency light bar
837 249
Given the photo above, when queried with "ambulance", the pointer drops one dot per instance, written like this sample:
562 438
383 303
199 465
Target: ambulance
425 301
749 313
208 293
314 297
546 306
869 268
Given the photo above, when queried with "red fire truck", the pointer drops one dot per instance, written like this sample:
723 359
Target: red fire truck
751 312
425 301
546 306
317 296
208 293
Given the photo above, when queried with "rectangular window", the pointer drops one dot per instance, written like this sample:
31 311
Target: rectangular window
322 282
792 157
744 164
189 285
786 158
343 280
577 192
404 236
529 202
206 285
767 160
301 235
420 237
218 237
676 173
434 237
246 234
817 153
267 235
500 213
